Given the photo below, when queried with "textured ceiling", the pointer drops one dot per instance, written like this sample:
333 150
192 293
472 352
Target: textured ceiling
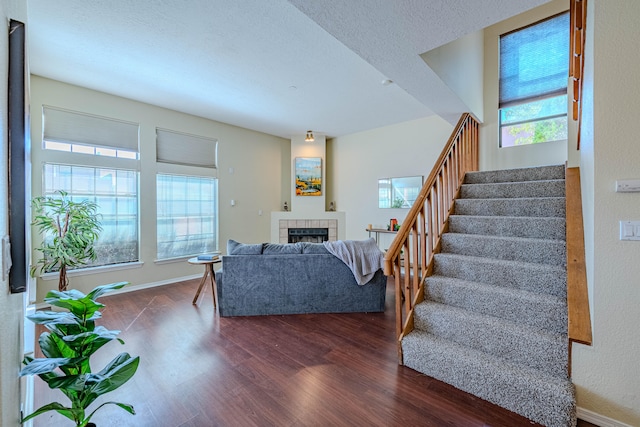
279 67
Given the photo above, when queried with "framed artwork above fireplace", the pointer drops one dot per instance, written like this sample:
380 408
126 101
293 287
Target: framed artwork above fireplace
308 176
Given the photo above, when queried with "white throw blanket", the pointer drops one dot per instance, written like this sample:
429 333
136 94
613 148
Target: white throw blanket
363 257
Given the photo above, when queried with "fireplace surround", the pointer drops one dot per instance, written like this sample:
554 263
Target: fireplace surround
308 228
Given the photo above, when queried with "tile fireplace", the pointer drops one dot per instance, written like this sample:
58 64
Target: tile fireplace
307 230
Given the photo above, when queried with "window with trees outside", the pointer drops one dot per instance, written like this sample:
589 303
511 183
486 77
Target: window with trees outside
534 68
115 192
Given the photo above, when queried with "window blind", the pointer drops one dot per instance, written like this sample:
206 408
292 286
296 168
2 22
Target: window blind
185 149
534 61
80 128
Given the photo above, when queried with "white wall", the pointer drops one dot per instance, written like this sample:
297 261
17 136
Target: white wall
11 311
491 155
250 171
460 65
607 375
360 159
301 205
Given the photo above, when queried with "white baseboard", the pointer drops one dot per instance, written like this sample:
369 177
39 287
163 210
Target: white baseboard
131 288
29 393
597 419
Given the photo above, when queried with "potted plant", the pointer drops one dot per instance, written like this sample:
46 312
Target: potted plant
68 345
69 229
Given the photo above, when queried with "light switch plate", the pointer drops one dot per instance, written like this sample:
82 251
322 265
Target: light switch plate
629 230
628 186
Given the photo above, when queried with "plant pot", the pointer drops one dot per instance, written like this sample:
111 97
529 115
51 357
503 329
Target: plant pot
91 425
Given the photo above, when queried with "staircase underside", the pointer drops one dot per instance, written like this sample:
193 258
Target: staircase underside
494 319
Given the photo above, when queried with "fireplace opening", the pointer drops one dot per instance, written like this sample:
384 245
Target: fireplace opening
312 235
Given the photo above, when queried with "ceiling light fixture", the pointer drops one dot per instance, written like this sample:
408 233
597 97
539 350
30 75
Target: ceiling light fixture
309 137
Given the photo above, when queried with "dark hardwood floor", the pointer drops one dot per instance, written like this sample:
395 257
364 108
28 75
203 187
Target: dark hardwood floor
199 370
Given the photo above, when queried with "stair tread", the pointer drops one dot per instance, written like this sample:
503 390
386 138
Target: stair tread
551 207
536 310
513 189
517 226
532 265
474 354
517 174
488 319
506 339
525 249
509 217
542 278
522 294
502 199
541 397
506 238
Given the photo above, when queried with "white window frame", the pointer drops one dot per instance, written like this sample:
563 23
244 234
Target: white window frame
552 98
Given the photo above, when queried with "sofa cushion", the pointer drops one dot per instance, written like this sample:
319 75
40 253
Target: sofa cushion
237 248
313 248
281 249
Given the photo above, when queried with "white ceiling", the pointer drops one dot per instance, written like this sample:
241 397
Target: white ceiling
275 66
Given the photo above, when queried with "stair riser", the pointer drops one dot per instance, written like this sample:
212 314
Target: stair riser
515 175
550 404
542 313
537 228
513 190
532 278
511 342
551 252
543 207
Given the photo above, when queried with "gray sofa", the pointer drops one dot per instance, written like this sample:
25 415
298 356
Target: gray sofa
295 278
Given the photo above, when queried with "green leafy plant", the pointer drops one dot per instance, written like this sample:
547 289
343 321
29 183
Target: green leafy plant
68 345
70 229
398 203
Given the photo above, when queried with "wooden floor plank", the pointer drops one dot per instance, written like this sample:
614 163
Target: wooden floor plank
198 369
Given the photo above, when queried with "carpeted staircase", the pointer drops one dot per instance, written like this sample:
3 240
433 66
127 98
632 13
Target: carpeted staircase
494 319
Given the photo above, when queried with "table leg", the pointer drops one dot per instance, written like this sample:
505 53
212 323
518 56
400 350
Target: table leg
204 278
214 287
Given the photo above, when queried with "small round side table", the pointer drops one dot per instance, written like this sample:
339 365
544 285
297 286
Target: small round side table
208 272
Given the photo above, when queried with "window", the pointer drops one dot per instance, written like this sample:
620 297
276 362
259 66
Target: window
115 191
187 215
110 178
534 68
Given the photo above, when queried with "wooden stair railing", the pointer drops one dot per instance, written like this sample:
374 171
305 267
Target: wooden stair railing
577 293
410 256
577 34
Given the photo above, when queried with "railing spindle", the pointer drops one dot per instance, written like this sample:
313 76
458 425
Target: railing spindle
410 256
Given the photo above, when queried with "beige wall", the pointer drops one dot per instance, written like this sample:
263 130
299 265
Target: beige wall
11 311
460 65
607 375
250 171
360 159
491 155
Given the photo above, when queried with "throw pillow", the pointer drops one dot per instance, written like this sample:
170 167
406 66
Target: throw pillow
237 248
281 249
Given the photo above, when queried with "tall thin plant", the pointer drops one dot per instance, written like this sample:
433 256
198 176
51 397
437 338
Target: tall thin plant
69 228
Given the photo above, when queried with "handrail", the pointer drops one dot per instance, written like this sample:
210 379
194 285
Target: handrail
577 32
410 256
577 294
